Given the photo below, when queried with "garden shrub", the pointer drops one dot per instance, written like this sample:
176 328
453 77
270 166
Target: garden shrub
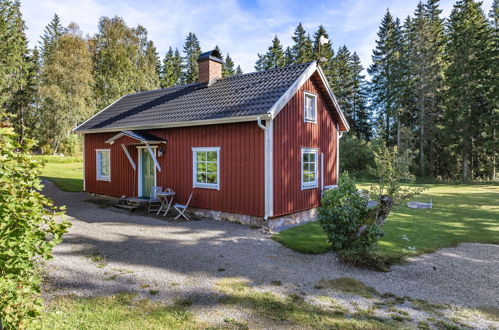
29 230
343 213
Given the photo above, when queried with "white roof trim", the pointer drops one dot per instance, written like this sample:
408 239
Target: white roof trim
331 94
284 99
179 124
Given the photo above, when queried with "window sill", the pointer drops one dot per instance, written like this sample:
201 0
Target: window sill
309 187
104 179
309 121
206 186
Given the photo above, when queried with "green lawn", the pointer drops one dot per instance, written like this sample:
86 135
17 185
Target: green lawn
123 311
461 213
65 172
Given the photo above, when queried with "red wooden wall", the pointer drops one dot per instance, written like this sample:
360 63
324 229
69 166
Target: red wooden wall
241 166
291 134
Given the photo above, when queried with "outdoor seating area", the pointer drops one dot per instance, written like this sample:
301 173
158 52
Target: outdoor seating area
160 202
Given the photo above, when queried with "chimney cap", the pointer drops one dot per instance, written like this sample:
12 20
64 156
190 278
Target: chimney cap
213 55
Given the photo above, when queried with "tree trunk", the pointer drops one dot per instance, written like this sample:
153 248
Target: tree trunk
385 206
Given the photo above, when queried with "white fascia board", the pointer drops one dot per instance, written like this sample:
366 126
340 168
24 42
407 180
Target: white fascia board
284 99
180 124
86 121
333 98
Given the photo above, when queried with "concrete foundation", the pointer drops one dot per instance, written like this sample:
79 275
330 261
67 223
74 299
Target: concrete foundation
273 224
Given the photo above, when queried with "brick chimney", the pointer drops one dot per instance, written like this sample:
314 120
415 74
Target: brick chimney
210 66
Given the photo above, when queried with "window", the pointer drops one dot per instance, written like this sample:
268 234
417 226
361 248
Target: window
310 107
206 167
103 164
309 159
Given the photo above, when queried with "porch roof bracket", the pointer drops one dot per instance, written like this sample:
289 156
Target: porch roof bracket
153 155
128 156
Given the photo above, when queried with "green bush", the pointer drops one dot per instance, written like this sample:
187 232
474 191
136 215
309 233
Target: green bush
356 156
28 229
344 216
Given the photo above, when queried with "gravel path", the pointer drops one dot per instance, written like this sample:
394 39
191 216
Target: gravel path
107 251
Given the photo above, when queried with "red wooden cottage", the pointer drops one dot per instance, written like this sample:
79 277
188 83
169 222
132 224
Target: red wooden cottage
252 147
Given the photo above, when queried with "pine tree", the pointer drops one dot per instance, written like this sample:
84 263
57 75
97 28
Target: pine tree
238 70
342 82
289 57
326 52
171 69
358 99
228 68
302 49
274 58
470 85
66 90
386 76
51 33
192 50
425 49
14 64
149 67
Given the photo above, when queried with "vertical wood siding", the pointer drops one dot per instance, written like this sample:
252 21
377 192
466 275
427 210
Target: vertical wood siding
291 134
241 166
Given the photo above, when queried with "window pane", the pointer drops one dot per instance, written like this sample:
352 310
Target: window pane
305 157
104 163
306 177
306 167
212 167
212 178
311 167
201 178
311 177
212 156
312 157
201 156
201 167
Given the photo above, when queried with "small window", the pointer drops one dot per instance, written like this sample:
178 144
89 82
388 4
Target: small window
206 167
103 164
309 160
310 108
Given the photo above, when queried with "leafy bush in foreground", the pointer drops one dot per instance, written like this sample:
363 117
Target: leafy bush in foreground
345 218
28 230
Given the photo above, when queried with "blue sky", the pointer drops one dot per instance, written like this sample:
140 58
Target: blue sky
241 28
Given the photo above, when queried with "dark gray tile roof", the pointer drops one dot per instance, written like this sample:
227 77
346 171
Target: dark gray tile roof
243 95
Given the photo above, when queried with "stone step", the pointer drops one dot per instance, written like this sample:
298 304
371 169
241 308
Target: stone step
130 208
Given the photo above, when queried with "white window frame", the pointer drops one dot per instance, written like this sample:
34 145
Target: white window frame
196 184
314 96
313 184
98 168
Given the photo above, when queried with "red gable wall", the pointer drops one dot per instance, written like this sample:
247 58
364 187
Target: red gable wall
291 134
241 162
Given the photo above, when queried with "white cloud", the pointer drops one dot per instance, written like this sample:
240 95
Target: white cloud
238 29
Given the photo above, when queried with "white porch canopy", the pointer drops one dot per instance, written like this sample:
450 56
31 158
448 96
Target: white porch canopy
142 138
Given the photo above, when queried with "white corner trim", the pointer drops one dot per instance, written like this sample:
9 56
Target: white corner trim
337 153
284 99
196 184
331 94
269 168
86 121
98 165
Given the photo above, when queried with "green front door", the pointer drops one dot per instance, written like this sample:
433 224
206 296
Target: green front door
147 172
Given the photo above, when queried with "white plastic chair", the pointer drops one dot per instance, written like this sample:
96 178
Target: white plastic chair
181 208
154 199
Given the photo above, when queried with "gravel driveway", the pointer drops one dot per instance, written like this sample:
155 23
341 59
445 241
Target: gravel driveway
107 250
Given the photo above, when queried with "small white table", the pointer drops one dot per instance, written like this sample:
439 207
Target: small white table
166 199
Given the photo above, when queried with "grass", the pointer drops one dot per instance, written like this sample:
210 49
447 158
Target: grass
461 213
293 311
65 172
347 285
122 311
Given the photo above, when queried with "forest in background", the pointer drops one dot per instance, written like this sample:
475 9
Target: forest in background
432 87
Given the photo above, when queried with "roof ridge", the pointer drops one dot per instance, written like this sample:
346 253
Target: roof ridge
162 89
269 70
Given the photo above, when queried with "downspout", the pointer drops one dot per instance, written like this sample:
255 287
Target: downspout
338 137
268 161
